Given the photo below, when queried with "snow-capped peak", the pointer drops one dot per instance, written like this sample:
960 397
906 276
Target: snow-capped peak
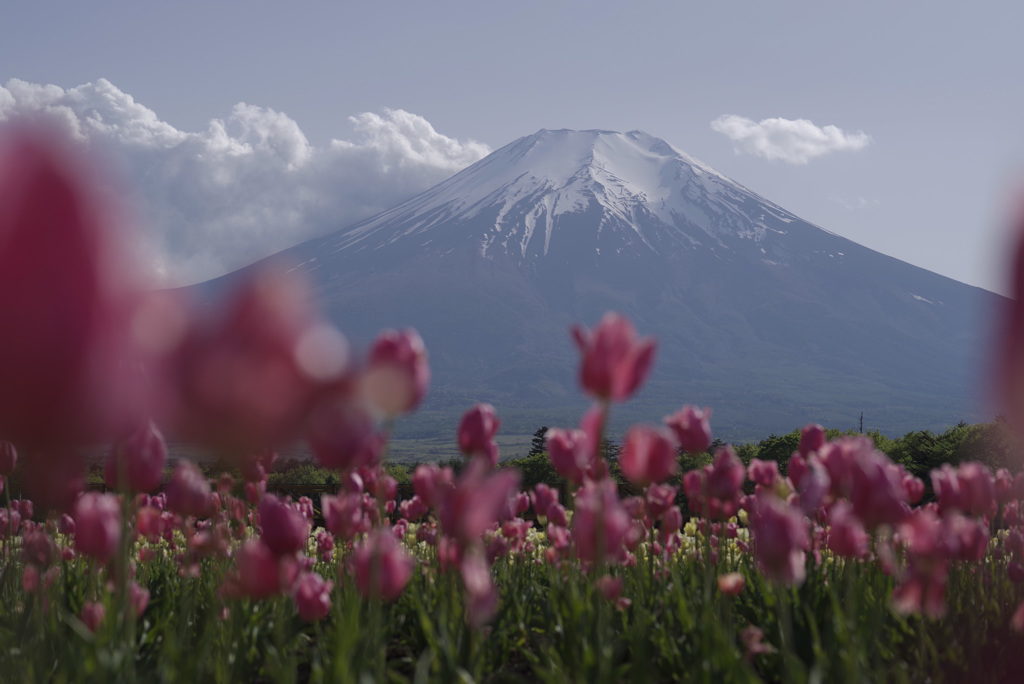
516 195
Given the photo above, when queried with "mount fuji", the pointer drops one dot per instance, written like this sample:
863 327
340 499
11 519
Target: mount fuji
771 321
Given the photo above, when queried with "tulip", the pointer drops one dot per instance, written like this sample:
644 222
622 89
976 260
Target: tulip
92 615
68 363
343 515
258 575
344 436
188 492
615 362
692 428
781 536
476 433
284 529
846 535
98 525
649 455
812 438
543 497
600 523
397 373
138 598
137 462
731 583
382 568
245 379
476 501
764 473
312 596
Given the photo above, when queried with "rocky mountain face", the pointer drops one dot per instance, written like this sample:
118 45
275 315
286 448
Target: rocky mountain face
771 321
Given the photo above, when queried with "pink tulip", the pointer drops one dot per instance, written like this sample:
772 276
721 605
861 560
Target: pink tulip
258 575
969 488
69 374
659 498
92 615
691 427
846 536
780 533
1009 366
245 379
476 433
397 373
137 462
284 529
600 524
649 455
481 594
764 473
413 509
382 568
812 439
37 547
432 483
615 362
543 497
731 583
188 492
876 490
138 598
344 436
715 490
98 525
343 515
312 595
477 501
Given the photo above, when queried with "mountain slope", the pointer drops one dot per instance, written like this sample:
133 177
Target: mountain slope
770 320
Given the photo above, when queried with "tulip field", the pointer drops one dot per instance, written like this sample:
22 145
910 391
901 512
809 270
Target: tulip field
840 566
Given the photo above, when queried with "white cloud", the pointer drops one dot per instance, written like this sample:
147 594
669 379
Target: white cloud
795 141
250 184
855 204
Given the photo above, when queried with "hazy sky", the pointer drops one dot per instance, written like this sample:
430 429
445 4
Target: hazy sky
249 126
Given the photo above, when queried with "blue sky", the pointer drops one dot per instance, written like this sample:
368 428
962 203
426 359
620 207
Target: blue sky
351 107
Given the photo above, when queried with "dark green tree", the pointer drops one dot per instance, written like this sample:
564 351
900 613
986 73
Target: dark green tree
538 445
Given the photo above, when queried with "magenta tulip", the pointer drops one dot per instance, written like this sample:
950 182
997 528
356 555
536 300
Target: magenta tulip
615 361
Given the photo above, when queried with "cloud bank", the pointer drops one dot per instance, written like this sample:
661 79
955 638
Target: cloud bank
250 184
795 141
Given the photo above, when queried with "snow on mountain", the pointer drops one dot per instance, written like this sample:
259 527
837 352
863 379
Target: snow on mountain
523 188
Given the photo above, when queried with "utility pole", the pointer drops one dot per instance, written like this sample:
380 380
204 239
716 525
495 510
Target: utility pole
862 422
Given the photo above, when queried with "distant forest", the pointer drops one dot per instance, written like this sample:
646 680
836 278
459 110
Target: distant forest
919 452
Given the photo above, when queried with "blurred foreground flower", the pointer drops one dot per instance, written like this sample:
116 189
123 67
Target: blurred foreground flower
69 361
